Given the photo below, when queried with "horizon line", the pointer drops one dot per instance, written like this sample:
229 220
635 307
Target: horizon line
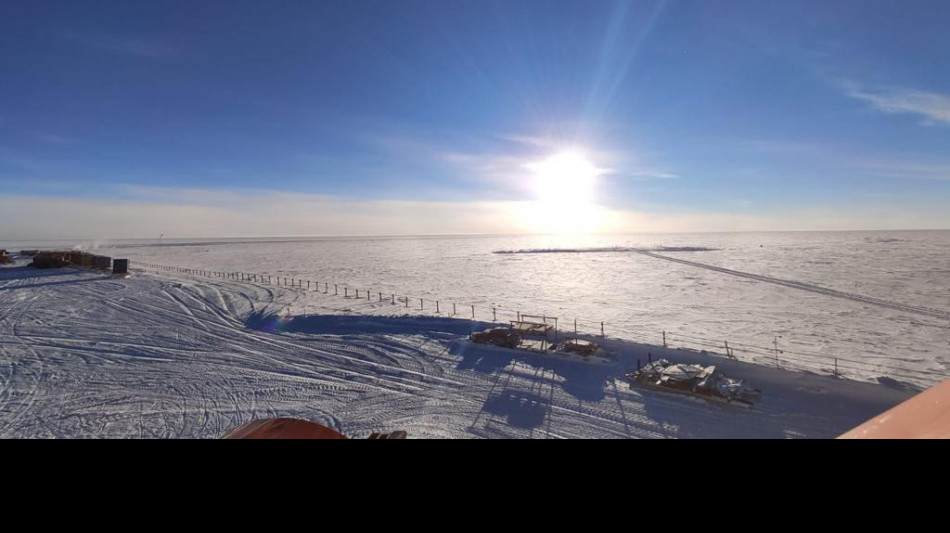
443 235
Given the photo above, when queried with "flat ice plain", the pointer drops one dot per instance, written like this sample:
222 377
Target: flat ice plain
165 355
639 297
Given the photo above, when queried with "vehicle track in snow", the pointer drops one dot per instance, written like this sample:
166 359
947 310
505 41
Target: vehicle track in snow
896 306
170 356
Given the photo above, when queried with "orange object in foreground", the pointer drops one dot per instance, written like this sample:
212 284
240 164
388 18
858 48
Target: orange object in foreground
926 416
283 429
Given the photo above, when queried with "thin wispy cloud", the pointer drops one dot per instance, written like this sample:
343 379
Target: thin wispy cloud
148 212
151 211
648 174
683 105
533 141
933 107
499 165
787 147
906 170
142 47
53 138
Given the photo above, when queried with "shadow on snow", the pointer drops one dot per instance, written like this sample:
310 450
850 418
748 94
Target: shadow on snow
528 401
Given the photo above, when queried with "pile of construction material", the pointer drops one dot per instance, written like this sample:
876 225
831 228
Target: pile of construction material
694 380
536 334
501 337
580 347
5 258
522 335
542 337
582 350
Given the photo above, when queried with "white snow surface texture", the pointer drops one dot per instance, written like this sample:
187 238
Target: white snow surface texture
176 356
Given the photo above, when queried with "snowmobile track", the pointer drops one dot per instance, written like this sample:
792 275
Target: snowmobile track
924 311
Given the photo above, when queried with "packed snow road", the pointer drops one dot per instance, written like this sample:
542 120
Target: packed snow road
86 355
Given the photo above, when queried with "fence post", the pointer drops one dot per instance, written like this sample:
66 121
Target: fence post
437 307
602 335
421 304
394 299
836 367
494 314
473 312
664 340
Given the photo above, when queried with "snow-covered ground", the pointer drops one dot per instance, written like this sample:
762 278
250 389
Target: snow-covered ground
877 301
172 355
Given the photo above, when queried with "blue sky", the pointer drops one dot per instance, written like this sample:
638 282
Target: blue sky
725 115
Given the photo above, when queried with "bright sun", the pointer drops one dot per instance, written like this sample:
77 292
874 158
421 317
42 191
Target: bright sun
568 178
564 186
